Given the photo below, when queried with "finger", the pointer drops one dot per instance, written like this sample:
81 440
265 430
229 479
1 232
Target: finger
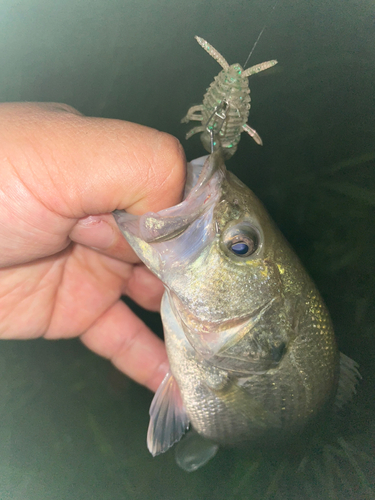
101 233
122 337
78 166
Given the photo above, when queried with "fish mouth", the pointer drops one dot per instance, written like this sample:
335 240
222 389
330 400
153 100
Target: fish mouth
215 339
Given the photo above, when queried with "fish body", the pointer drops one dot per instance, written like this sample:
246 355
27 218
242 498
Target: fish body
251 347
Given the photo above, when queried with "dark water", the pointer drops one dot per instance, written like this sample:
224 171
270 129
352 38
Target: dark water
72 427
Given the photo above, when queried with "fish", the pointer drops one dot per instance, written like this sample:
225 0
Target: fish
251 346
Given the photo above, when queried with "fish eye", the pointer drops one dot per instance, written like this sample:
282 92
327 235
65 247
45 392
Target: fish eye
241 240
242 246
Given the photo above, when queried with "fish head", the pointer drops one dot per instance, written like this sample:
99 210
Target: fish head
215 254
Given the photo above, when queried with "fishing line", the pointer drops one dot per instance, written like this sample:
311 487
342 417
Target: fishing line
260 34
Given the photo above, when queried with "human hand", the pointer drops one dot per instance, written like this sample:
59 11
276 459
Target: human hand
63 262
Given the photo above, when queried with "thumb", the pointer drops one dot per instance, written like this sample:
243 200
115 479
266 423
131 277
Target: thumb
74 166
80 166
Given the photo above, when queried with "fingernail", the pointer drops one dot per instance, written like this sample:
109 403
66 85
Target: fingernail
163 369
93 231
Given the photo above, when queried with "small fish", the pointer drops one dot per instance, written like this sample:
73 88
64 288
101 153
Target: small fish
252 352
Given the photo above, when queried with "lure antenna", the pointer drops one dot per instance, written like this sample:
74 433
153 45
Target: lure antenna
213 52
259 67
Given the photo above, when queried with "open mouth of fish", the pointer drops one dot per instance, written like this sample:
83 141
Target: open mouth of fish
217 338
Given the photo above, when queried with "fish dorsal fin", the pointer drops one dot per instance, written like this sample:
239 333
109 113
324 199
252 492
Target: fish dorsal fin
349 378
168 418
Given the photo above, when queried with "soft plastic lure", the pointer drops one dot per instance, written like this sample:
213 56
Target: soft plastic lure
226 104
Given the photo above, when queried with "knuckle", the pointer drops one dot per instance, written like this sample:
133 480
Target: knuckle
171 160
62 108
55 107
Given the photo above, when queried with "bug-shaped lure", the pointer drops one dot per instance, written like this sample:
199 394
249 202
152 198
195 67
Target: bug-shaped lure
226 104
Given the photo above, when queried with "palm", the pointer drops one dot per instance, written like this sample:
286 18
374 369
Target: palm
70 293
59 296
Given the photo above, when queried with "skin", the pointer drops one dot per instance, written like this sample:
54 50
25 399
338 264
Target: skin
63 262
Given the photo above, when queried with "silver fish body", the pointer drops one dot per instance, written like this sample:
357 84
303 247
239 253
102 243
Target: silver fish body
251 346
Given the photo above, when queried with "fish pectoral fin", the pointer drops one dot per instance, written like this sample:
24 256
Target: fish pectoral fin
238 398
349 378
168 418
194 451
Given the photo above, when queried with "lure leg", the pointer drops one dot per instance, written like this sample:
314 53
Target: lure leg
253 133
191 114
195 130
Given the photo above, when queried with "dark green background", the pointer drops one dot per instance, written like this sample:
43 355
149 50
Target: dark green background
71 426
